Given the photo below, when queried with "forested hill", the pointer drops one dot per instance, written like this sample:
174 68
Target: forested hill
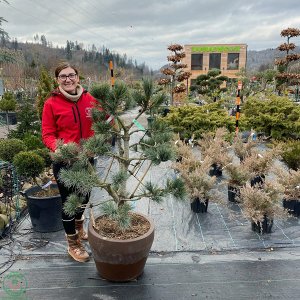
260 60
92 61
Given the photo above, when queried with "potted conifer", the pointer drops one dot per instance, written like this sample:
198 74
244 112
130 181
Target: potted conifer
243 149
215 146
261 204
290 180
42 195
236 177
260 163
200 185
120 239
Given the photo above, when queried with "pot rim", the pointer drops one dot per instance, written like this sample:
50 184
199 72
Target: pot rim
145 235
26 195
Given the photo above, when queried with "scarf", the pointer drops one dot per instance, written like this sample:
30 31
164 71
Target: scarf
75 97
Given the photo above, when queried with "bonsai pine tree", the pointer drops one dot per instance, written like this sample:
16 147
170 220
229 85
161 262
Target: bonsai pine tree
285 77
128 161
8 103
210 84
175 71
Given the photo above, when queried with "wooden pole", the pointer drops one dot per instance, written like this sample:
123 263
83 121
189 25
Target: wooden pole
238 102
112 79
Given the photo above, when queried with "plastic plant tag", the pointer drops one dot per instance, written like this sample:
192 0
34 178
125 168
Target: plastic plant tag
110 119
47 184
138 125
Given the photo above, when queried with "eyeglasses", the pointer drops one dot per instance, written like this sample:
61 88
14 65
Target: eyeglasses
64 77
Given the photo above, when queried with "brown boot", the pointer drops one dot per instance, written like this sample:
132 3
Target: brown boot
76 249
79 227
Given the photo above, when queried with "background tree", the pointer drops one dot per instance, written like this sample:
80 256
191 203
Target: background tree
175 71
210 84
68 51
286 78
5 56
3 33
27 119
45 87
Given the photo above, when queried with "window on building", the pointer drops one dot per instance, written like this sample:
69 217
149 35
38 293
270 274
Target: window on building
197 62
215 61
233 61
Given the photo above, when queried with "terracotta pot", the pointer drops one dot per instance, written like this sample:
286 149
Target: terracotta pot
120 260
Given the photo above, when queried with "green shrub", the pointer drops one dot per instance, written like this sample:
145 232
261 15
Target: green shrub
8 102
33 142
45 154
29 164
291 154
276 116
190 119
10 147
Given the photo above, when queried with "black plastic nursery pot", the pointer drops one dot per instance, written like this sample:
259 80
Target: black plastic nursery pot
9 117
263 227
233 193
259 179
215 170
45 212
293 206
198 206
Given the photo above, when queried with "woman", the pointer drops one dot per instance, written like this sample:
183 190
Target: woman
66 118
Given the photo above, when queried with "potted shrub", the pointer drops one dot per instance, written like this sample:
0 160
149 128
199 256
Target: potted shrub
290 180
43 198
8 104
216 147
259 164
10 147
236 177
241 148
200 186
261 204
120 239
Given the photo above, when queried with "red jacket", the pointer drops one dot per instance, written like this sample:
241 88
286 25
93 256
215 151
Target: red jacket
65 120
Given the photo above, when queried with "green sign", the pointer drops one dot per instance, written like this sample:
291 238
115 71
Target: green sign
216 48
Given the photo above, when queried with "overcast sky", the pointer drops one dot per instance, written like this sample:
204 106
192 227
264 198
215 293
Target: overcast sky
144 28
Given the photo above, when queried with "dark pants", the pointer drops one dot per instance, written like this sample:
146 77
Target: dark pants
68 221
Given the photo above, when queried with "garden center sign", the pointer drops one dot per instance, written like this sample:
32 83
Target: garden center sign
221 49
